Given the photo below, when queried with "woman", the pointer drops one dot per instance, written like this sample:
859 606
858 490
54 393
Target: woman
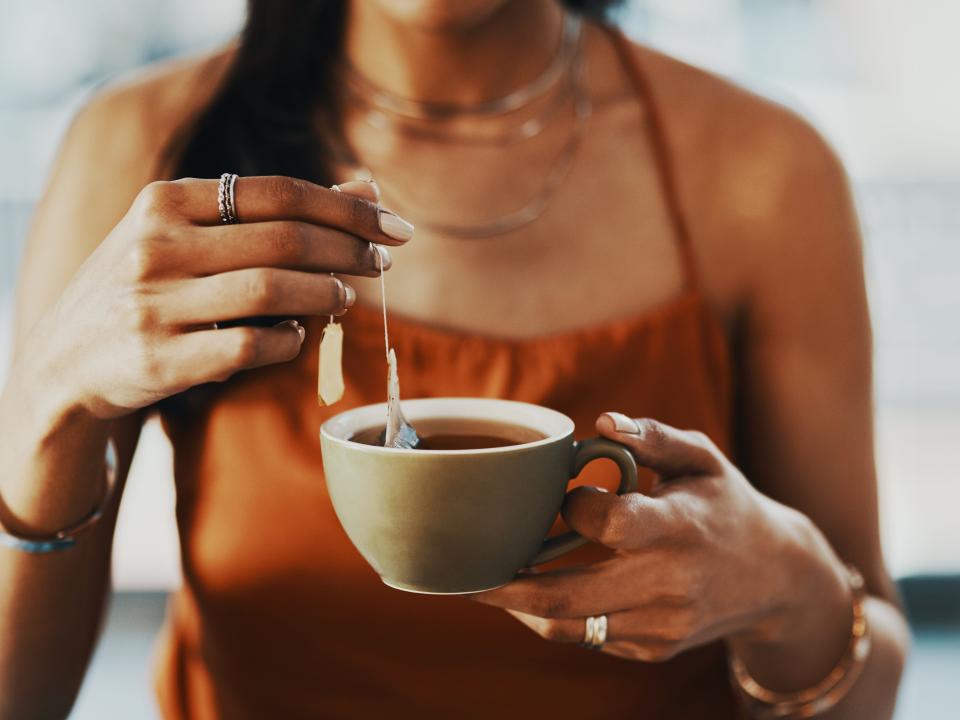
599 227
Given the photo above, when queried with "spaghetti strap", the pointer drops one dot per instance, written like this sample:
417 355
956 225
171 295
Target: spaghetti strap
661 152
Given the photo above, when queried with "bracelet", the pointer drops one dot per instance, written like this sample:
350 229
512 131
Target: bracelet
764 703
66 538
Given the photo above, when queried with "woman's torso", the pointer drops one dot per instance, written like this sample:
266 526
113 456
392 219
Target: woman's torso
280 617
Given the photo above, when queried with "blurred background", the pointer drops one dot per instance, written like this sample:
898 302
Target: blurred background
877 78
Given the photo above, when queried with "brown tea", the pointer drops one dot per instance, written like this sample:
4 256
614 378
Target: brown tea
459 434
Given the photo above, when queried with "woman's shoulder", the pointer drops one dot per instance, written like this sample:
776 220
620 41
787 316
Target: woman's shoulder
113 148
720 127
129 121
750 172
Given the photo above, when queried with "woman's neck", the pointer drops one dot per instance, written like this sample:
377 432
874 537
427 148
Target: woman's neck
461 64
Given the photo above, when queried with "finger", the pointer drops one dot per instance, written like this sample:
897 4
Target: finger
263 198
282 244
214 355
565 593
366 189
568 630
572 630
251 293
634 634
656 632
563 630
623 522
665 450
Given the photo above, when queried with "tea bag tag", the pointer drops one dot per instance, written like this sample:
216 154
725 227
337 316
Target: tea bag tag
330 384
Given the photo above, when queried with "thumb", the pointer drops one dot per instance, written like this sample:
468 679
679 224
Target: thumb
667 451
366 189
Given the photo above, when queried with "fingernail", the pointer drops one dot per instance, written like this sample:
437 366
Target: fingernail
621 423
386 262
350 295
374 186
301 331
393 225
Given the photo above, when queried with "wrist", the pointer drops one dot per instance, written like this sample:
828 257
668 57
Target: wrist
806 627
45 381
49 449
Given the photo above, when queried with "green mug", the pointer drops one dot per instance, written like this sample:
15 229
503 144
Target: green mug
459 521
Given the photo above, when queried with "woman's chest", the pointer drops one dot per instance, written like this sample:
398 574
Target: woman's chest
604 247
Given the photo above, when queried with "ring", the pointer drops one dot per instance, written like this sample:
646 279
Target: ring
226 199
595 632
336 188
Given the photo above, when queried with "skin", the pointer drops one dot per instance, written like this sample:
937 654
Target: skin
778 250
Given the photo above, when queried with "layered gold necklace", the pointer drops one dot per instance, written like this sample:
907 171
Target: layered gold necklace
440 123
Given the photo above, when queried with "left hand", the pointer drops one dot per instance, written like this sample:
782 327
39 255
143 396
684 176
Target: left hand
704 556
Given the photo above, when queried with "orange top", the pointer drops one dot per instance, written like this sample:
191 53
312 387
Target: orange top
280 617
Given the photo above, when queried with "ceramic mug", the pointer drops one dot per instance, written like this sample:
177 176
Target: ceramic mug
459 521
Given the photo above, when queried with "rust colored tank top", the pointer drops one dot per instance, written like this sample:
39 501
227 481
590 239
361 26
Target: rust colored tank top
280 617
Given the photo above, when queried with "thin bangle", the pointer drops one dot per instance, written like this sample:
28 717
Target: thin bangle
764 703
67 538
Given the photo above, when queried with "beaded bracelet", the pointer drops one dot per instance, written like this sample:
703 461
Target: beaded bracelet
763 703
66 538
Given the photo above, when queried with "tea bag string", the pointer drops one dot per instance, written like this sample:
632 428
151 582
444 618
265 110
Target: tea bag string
383 300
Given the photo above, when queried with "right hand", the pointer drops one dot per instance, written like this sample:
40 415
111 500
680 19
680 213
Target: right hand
135 324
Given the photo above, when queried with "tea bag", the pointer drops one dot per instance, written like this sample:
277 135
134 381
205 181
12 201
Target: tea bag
398 433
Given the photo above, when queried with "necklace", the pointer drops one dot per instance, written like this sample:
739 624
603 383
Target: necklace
393 104
538 203
526 129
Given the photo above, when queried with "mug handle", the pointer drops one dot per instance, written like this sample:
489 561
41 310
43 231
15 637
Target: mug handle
584 452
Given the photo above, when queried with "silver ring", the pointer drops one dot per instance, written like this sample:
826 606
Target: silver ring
595 632
226 199
336 188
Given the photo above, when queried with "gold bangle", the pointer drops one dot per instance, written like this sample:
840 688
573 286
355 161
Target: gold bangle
764 703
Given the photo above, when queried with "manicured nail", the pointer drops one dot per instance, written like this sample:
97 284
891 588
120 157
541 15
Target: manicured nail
623 424
386 262
393 225
349 295
373 186
296 326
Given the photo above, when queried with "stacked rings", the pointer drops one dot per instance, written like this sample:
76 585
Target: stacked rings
226 202
595 634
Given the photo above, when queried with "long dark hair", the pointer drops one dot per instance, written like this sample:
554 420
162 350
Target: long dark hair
278 92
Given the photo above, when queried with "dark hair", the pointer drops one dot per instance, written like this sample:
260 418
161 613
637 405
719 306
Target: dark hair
261 121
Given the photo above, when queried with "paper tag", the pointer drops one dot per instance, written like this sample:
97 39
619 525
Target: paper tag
330 385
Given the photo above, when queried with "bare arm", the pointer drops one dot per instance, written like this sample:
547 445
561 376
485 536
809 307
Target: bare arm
806 420
122 283
51 449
